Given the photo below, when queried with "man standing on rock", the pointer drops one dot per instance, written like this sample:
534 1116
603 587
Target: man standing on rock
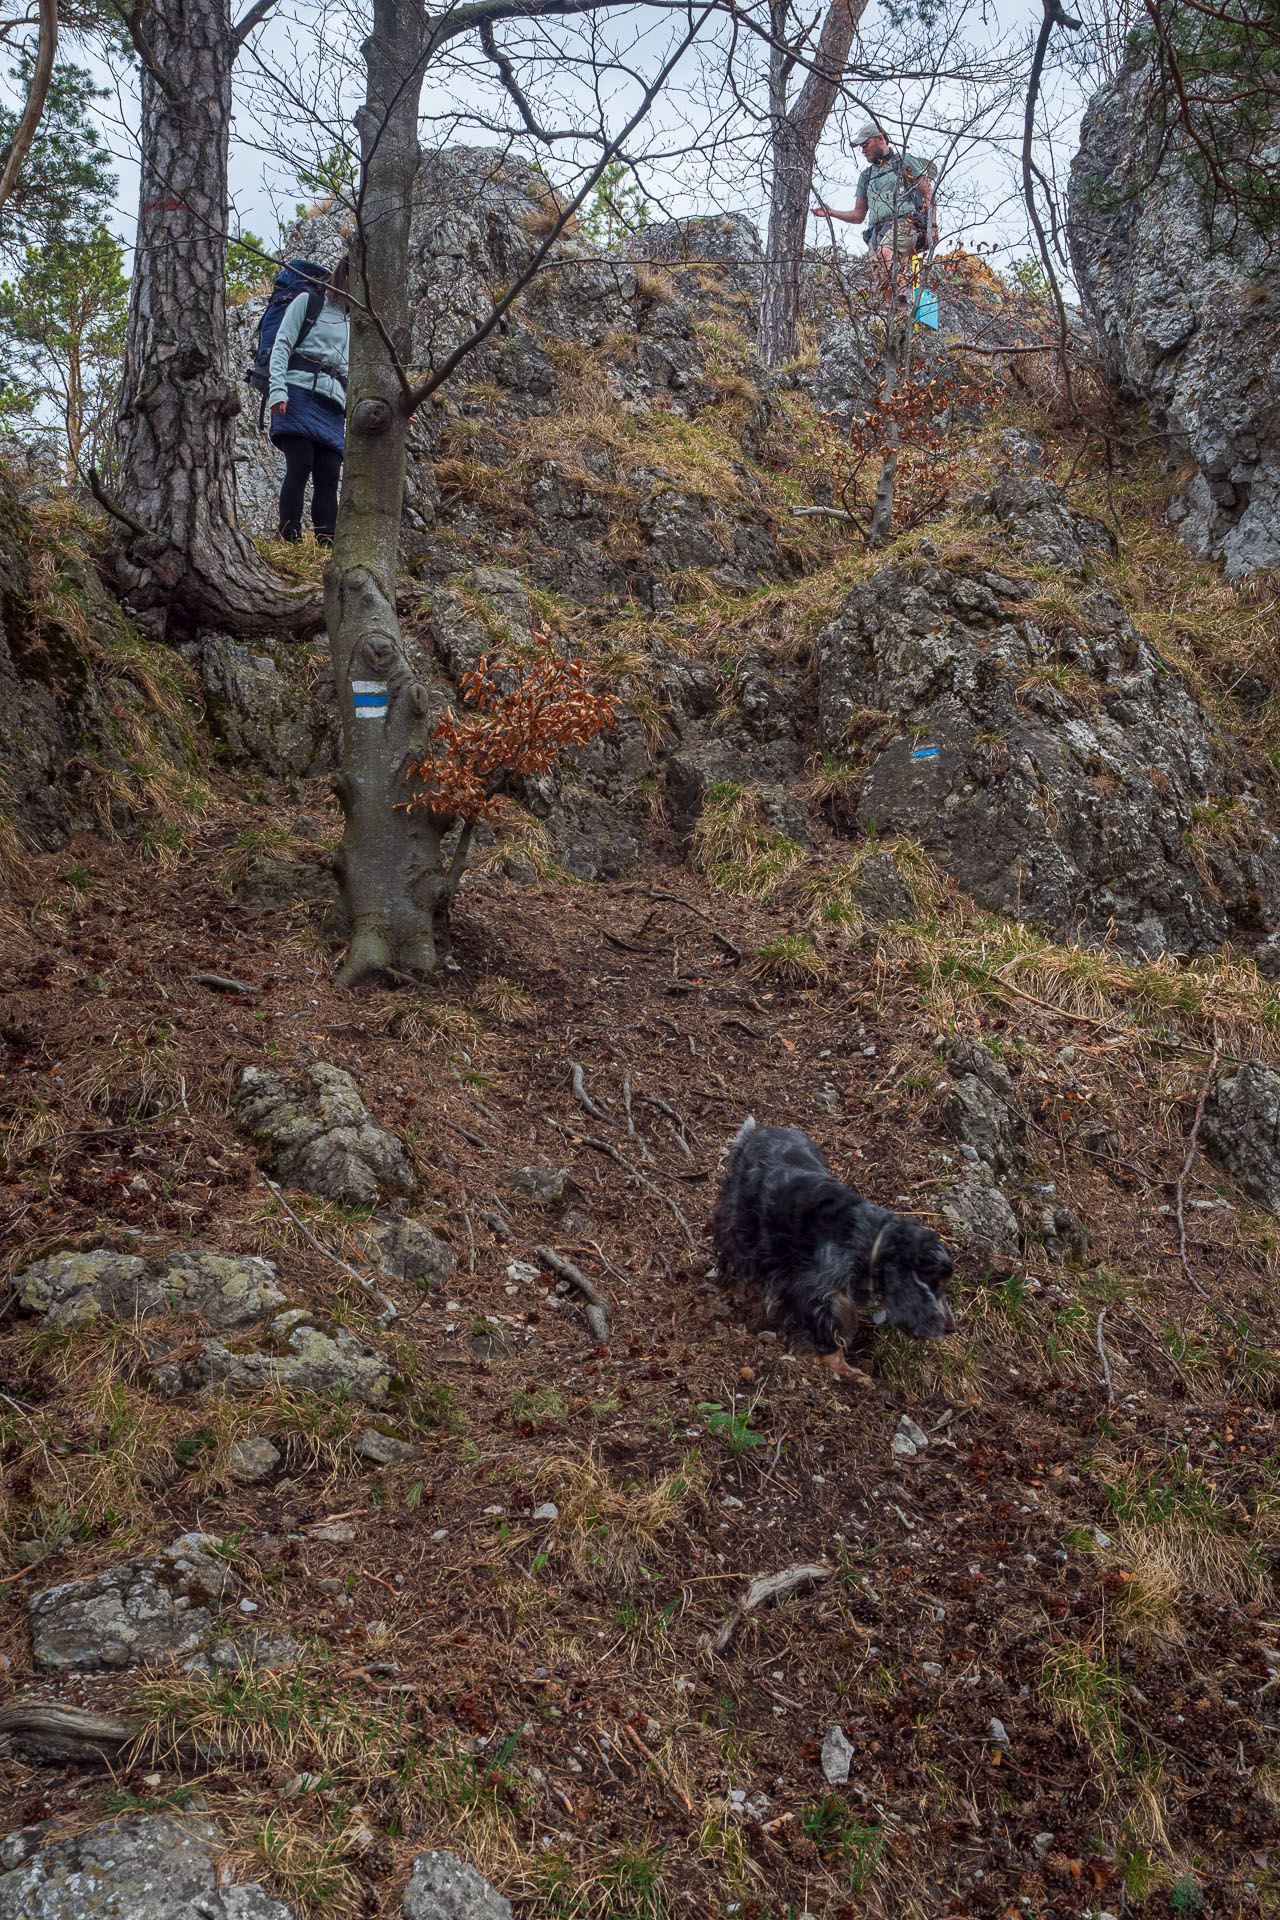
895 197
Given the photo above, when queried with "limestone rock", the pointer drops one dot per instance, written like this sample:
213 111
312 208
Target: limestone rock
442 1887
980 1215
543 1184
155 1605
252 1459
151 1868
268 701
315 1132
68 691
1042 527
1186 325
980 1106
1241 1129
72 1289
386 1449
409 1251
296 1353
1057 777
837 1757
235 1653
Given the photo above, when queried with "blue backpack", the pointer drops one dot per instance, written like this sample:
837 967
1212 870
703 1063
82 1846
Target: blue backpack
295 277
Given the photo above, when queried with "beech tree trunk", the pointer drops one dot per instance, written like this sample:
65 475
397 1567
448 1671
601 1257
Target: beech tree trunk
395 886
181 557
796 133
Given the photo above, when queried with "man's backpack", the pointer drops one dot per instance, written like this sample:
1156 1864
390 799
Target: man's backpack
295 277
922 218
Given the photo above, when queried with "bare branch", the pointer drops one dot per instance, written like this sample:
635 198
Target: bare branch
31 114
254 18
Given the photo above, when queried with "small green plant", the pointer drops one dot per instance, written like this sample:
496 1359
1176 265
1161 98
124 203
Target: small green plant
1185 1895
187 1451
535 1412
844 1840
78 877
435 1406
732 1425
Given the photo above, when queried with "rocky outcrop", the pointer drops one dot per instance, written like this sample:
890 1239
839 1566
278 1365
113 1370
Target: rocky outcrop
315 1132
1056 767
296 1351
153 1868
73 1289
442 1887
142 1611
1179 322
81 726
1241 1129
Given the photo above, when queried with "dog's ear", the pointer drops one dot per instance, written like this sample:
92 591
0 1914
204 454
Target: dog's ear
913 1271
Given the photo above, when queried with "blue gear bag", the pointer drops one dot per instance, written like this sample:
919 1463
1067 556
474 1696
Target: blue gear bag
295 277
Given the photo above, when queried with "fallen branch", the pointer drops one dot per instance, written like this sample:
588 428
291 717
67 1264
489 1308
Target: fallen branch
726 946
583 1098
1102 1355
596 1311
602 1146
222 983
50 1731
766 1590
825 513
389 1309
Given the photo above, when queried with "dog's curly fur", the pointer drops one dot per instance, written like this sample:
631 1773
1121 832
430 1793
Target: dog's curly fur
818 1254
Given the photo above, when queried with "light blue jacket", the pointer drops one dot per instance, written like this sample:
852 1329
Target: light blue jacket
326 342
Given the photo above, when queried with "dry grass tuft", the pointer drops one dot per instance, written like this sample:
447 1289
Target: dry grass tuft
735 847
605 1528
792 960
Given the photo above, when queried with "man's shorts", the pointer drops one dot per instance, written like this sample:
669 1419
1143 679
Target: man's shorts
899 233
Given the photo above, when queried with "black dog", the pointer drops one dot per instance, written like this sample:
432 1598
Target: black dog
818 1253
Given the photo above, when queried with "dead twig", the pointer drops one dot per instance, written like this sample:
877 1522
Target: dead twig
676 901
222 983
726 945
1102 1355
765 1590
602 1146
596 1311
389 1309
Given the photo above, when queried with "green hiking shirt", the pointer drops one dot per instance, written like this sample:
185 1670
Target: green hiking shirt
884 191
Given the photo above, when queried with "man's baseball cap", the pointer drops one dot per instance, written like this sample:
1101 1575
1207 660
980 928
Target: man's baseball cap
869 132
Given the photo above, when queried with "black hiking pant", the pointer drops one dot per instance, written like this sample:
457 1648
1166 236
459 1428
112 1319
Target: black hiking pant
305 459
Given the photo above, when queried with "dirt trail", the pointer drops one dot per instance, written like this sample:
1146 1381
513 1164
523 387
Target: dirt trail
1049 1638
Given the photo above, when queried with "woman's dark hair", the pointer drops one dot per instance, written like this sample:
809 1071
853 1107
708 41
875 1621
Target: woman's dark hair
340 277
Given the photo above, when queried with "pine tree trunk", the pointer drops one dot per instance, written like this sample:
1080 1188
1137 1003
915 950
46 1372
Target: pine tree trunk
189 565
796 134
395 886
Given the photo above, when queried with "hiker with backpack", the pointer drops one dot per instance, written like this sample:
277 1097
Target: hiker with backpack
300 365
895 198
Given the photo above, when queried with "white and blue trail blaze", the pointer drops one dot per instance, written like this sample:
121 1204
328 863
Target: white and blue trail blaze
370 697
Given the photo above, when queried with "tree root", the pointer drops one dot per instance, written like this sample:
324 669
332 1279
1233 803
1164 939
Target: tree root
602 1146
578 1083
596 1311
